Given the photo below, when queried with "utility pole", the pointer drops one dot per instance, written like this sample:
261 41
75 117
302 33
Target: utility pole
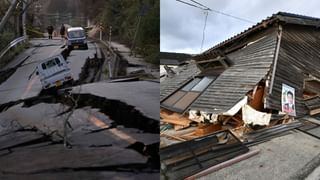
135 35
8 14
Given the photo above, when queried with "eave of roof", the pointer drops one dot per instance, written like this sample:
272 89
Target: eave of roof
278 17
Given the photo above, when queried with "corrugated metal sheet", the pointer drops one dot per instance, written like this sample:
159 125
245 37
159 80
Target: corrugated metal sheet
184 74
251 64
299 54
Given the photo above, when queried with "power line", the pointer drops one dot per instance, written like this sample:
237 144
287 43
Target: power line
191 4
200 4
241 19
206 11
213 10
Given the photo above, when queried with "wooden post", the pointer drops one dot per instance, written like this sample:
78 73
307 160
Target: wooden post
275 59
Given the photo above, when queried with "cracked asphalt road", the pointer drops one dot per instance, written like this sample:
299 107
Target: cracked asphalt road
101 147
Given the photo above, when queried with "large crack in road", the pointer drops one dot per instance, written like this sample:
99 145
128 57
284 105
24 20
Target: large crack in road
121 114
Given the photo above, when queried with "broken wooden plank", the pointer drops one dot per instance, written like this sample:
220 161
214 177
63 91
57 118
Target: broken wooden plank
207 129
226 119
172 136
179 127
174 118
314 112
189 136
210 60
315 121
187 158
177 121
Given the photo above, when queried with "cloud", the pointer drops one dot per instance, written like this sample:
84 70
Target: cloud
181 26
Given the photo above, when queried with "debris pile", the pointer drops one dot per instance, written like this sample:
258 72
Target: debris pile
248 116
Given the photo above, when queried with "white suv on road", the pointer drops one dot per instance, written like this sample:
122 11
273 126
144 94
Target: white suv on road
76 38
54 72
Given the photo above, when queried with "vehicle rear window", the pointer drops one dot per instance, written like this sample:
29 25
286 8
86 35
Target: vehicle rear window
76 34
50 63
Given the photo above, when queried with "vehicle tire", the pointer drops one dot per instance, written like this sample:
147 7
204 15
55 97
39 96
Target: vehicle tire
86 46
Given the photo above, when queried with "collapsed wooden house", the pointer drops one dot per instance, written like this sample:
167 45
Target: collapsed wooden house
266 76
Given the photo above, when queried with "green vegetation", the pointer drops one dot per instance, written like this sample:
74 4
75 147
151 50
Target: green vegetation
34 33
12 53
124 17
3 7
9 33
6 36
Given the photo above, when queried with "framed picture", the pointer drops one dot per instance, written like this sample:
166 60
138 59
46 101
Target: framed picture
288 100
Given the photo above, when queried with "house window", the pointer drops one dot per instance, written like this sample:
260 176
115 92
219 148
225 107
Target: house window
182 99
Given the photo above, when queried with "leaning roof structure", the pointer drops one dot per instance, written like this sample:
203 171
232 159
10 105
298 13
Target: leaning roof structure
250 57
284 17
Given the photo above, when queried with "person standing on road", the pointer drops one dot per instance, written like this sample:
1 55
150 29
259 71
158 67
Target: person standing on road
62 31
50 31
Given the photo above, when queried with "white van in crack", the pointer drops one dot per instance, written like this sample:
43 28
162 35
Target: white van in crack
54 72
76 38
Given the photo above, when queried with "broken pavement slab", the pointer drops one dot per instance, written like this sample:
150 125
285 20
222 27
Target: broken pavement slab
20 138
84 122
55 158
143 95
135 63
83 175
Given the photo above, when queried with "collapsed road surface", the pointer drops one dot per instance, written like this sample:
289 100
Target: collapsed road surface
111 130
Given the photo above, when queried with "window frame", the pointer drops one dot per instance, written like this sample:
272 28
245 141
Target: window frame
172 106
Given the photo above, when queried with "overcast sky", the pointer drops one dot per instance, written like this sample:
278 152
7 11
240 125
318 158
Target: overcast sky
182 25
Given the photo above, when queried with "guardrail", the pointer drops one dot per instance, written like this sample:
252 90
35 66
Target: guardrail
12 44
112 66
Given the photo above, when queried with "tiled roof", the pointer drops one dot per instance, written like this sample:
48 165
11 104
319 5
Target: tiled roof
280 16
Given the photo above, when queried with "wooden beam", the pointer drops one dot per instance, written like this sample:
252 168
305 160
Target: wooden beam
176 121
312 120
210 60
172 136
314 111
225 65
275 59
207 129
174 118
